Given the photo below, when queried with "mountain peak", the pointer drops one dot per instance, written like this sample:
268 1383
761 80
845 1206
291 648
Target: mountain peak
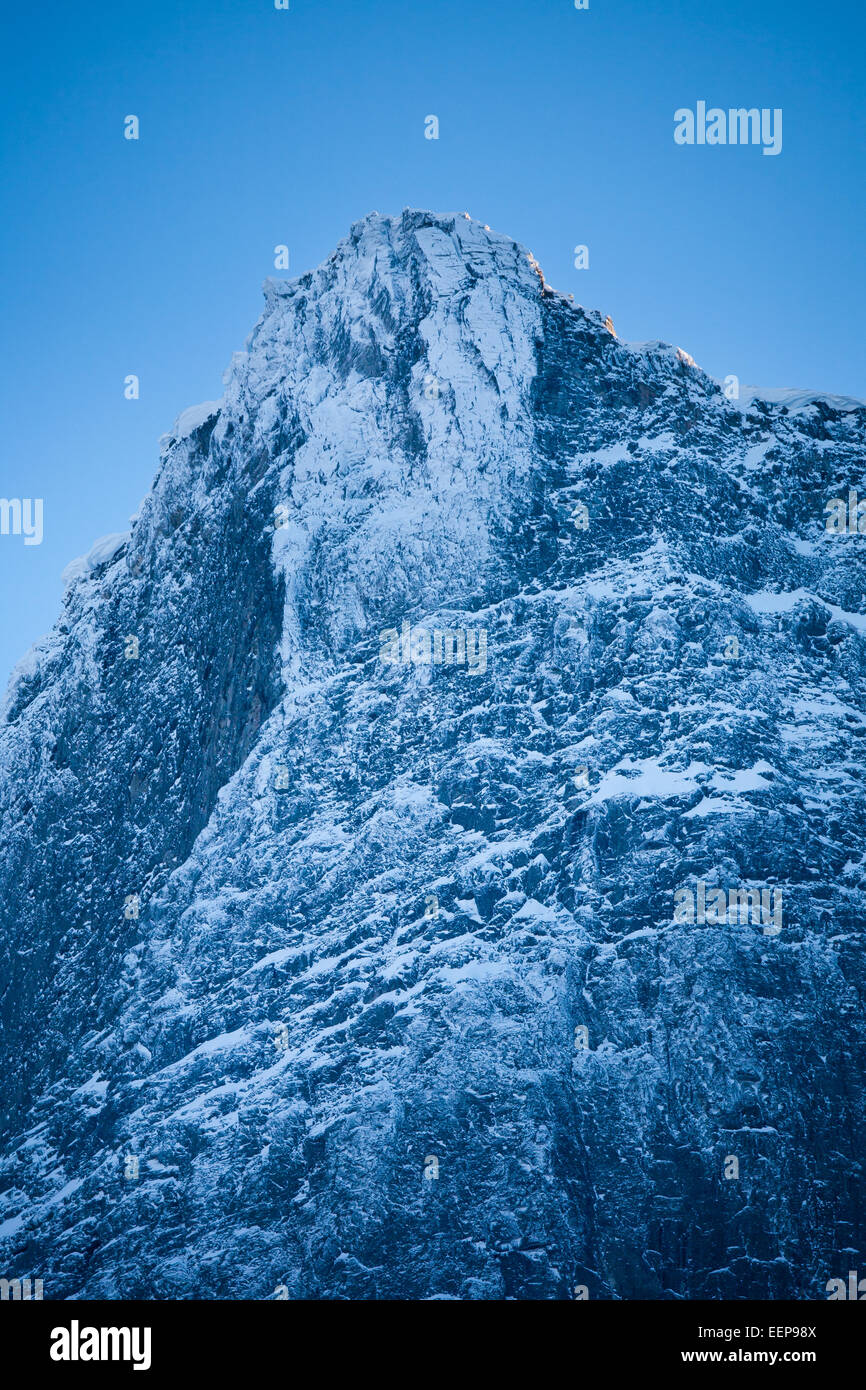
427 814
448 250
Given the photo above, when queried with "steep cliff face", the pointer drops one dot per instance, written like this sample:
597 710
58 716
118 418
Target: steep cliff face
361 935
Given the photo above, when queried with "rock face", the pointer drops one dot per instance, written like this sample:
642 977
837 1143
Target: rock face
366 820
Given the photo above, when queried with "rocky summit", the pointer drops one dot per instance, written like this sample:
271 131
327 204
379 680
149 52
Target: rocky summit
432 838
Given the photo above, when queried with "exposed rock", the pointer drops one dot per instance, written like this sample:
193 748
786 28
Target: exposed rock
372 965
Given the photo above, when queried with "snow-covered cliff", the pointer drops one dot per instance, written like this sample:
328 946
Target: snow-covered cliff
364 821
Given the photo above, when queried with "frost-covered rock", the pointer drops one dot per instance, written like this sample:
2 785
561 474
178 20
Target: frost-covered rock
102 552
335 960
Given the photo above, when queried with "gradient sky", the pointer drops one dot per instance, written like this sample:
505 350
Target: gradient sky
261 126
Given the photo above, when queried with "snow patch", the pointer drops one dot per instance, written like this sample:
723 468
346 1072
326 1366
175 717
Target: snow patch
100 553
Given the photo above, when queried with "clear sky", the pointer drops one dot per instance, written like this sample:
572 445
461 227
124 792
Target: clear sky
261 127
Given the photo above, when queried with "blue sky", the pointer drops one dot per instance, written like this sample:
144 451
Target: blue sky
261 127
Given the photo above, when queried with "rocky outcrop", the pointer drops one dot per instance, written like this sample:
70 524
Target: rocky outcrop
363 933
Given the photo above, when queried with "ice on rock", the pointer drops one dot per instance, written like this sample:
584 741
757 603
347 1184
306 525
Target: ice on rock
101 553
